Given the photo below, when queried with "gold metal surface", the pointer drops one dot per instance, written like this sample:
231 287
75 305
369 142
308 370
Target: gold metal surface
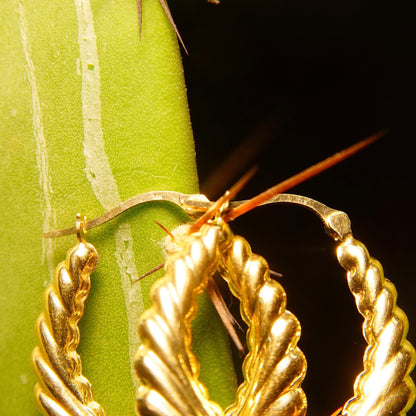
384 387
195 205
165 364
62 389
273 369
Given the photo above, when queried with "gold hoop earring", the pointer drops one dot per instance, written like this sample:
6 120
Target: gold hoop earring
274 367
384 387
62 389
167 368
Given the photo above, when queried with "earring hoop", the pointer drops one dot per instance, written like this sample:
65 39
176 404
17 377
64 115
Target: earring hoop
384 387
165 364
62 389
274 367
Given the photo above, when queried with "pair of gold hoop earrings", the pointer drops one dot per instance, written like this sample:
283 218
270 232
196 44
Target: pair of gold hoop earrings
274 367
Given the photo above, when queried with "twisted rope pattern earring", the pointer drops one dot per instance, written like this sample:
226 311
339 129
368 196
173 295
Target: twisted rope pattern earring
62 389
384 387
274 367
165 364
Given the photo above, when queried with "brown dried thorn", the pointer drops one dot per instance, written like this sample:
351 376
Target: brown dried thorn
168 15
158 267
275 274
140 16
337 412
302 176
165 230
228 196
155 269
171 21
226 317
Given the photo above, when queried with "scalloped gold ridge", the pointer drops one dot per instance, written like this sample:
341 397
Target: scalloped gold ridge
62 389
165 364
274 367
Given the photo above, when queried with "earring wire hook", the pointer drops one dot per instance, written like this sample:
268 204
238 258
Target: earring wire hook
197 205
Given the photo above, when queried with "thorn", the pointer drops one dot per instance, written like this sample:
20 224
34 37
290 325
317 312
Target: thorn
241 158
165 230
140 16
224 313
234 190
171 21
303 176
155 269
337 412
275 274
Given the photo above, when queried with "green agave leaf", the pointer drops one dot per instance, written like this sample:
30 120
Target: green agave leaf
91 116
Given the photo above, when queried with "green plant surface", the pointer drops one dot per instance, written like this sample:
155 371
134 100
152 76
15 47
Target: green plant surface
90 116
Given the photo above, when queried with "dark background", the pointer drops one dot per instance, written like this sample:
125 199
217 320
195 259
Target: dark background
313 77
